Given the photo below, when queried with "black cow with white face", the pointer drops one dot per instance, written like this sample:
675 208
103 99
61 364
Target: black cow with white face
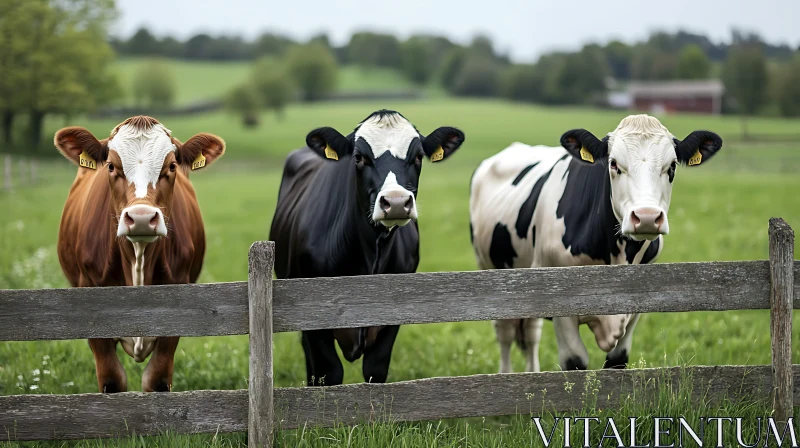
347 206
588 202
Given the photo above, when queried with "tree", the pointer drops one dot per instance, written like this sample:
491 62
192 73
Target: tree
245 100
693 63
522 83
61 58
745 77
416 61
154 85
479 77
374 50
314 69
652 63
788 88
274 86
618 57
269 44
582 76
452 65
142 43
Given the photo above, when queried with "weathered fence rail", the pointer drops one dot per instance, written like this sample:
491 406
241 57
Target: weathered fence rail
263 306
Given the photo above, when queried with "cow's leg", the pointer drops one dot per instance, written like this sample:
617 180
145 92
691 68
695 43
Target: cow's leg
376 359
325 365
111 376
506 331
533 335
618 357
572 354
157 376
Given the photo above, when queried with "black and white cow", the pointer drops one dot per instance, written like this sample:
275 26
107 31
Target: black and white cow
343 209
588 202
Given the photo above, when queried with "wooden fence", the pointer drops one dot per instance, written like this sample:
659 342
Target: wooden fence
263 306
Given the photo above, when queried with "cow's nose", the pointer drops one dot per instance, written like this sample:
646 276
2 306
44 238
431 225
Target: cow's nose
142 221
396 206
647 220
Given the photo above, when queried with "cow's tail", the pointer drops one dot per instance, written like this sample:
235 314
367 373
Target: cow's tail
519 335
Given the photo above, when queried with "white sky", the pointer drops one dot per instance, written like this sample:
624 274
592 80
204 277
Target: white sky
524 29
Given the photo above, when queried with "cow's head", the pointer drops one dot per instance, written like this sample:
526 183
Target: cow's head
386 151
142 162
642 157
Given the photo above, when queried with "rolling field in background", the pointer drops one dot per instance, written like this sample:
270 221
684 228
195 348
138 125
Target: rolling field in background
719 212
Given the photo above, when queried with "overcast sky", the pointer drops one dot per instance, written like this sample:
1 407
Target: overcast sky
522 28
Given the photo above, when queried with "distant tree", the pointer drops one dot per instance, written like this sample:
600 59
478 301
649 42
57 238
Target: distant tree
788 88
452 66
745 76
479 77
416 60
269 44
582 76
619 56
313 69
522 82
55 60
321 39
374 50
154 85
245 101
142 43
652 63
197 47
170 47
274 85
693 63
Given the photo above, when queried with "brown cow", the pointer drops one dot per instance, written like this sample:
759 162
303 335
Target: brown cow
131 218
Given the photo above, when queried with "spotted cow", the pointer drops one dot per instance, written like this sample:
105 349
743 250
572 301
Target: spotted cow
131 218
587 202
348 206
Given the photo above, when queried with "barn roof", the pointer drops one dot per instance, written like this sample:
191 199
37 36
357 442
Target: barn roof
676 89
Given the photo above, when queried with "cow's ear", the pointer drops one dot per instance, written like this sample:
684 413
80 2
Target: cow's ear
583 145
79 146
328 143
697 147
442 143
199 151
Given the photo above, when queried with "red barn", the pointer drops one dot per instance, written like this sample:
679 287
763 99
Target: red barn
704 97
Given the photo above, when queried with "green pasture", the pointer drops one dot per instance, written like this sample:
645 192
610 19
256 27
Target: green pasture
719 212
205 80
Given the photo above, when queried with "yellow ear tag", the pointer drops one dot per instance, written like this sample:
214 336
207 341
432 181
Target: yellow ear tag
87 161
696 158
199 162
586 155
330 153
437 155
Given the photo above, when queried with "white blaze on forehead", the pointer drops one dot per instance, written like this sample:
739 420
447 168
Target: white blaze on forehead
142 151
641 138
388 133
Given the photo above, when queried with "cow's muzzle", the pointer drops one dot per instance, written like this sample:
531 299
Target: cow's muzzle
142 223
645 223
394 208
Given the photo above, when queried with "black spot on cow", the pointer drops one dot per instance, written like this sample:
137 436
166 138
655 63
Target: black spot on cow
501 252
522 173
576 363
471 233
616 362
586 208
525 215
633 247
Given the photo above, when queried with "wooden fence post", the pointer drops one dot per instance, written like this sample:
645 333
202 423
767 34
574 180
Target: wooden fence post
781 273
259 282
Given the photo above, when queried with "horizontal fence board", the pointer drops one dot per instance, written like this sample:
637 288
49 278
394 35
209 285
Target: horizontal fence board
34 417
83 416
213 309
509 394
348 302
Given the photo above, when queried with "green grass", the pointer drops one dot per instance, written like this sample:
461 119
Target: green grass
203 80
719 212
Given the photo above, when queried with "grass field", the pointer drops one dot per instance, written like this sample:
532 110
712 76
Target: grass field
202 80
719 212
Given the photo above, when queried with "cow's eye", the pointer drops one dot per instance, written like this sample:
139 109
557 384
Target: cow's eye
172 167
359 159
419 157
673 165
110 167
613 164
